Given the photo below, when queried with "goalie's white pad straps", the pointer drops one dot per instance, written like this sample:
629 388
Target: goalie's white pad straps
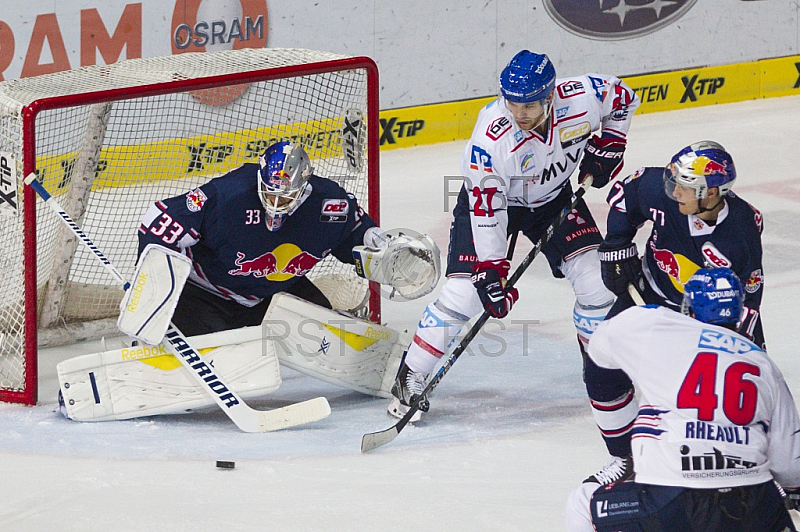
334 347
148 305
148 380
408 262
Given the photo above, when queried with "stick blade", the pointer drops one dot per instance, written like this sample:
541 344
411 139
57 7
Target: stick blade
374 440
292 415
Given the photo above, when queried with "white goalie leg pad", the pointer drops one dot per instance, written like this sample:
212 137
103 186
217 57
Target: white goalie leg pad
333 346
148 380
407 261
148 305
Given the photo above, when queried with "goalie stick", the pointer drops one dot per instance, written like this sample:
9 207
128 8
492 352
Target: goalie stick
373 440
246 418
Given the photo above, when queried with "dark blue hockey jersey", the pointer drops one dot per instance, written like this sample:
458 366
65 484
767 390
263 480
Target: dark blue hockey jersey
220 226
679 244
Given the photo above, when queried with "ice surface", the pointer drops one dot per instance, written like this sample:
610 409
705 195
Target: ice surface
509 433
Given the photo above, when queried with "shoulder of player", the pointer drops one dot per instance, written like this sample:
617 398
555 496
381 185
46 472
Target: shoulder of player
323 187
586 87
494 125
739 205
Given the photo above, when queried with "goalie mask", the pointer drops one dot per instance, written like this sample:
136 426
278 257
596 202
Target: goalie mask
700 166
282 180
528 80
714 296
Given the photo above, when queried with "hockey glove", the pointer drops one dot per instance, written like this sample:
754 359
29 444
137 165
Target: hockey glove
489 279
792 499
620 265
602 159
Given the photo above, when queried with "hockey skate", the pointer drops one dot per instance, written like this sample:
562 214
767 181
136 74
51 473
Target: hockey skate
619 469
407 386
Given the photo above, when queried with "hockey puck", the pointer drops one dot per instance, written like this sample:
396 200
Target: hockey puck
225 464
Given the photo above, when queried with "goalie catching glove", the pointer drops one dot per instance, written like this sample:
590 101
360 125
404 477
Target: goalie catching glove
489 279
602 159
401 258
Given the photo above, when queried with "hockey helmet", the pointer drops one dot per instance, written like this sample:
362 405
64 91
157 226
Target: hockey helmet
714 296
528 78
283 174
700 166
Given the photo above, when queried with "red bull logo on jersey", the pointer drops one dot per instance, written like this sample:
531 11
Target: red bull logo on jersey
754 282
676 266
706 166
282 263
195 200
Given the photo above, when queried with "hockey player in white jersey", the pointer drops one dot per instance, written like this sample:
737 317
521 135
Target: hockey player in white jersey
717 424
517 166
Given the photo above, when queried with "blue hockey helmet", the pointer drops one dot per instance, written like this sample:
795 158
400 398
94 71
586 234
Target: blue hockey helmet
528 78
700 166
714 296
283 174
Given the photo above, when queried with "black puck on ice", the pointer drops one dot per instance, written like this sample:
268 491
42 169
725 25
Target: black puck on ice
225 464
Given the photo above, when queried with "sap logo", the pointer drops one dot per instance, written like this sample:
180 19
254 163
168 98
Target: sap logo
429 320
702 87
725 342
561 112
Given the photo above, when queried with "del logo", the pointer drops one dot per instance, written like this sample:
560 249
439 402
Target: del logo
713 258
574 134
335 206
724 342
334 210
280 264
195 200
615 19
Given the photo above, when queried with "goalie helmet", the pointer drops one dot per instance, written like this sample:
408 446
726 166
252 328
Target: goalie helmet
283 174
714 296
700 166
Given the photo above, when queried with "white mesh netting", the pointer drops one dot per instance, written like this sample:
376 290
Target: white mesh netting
105 162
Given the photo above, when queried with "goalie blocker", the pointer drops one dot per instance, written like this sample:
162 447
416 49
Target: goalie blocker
147 380
148 305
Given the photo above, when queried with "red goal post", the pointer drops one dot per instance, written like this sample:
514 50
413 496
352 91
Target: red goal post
107 141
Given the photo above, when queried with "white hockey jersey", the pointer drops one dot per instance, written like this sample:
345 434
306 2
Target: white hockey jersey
714 409
504 165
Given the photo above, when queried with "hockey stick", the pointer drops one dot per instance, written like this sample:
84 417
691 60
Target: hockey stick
635 295
377 439
246 418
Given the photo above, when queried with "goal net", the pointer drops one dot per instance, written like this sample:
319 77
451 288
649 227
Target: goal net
107 141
